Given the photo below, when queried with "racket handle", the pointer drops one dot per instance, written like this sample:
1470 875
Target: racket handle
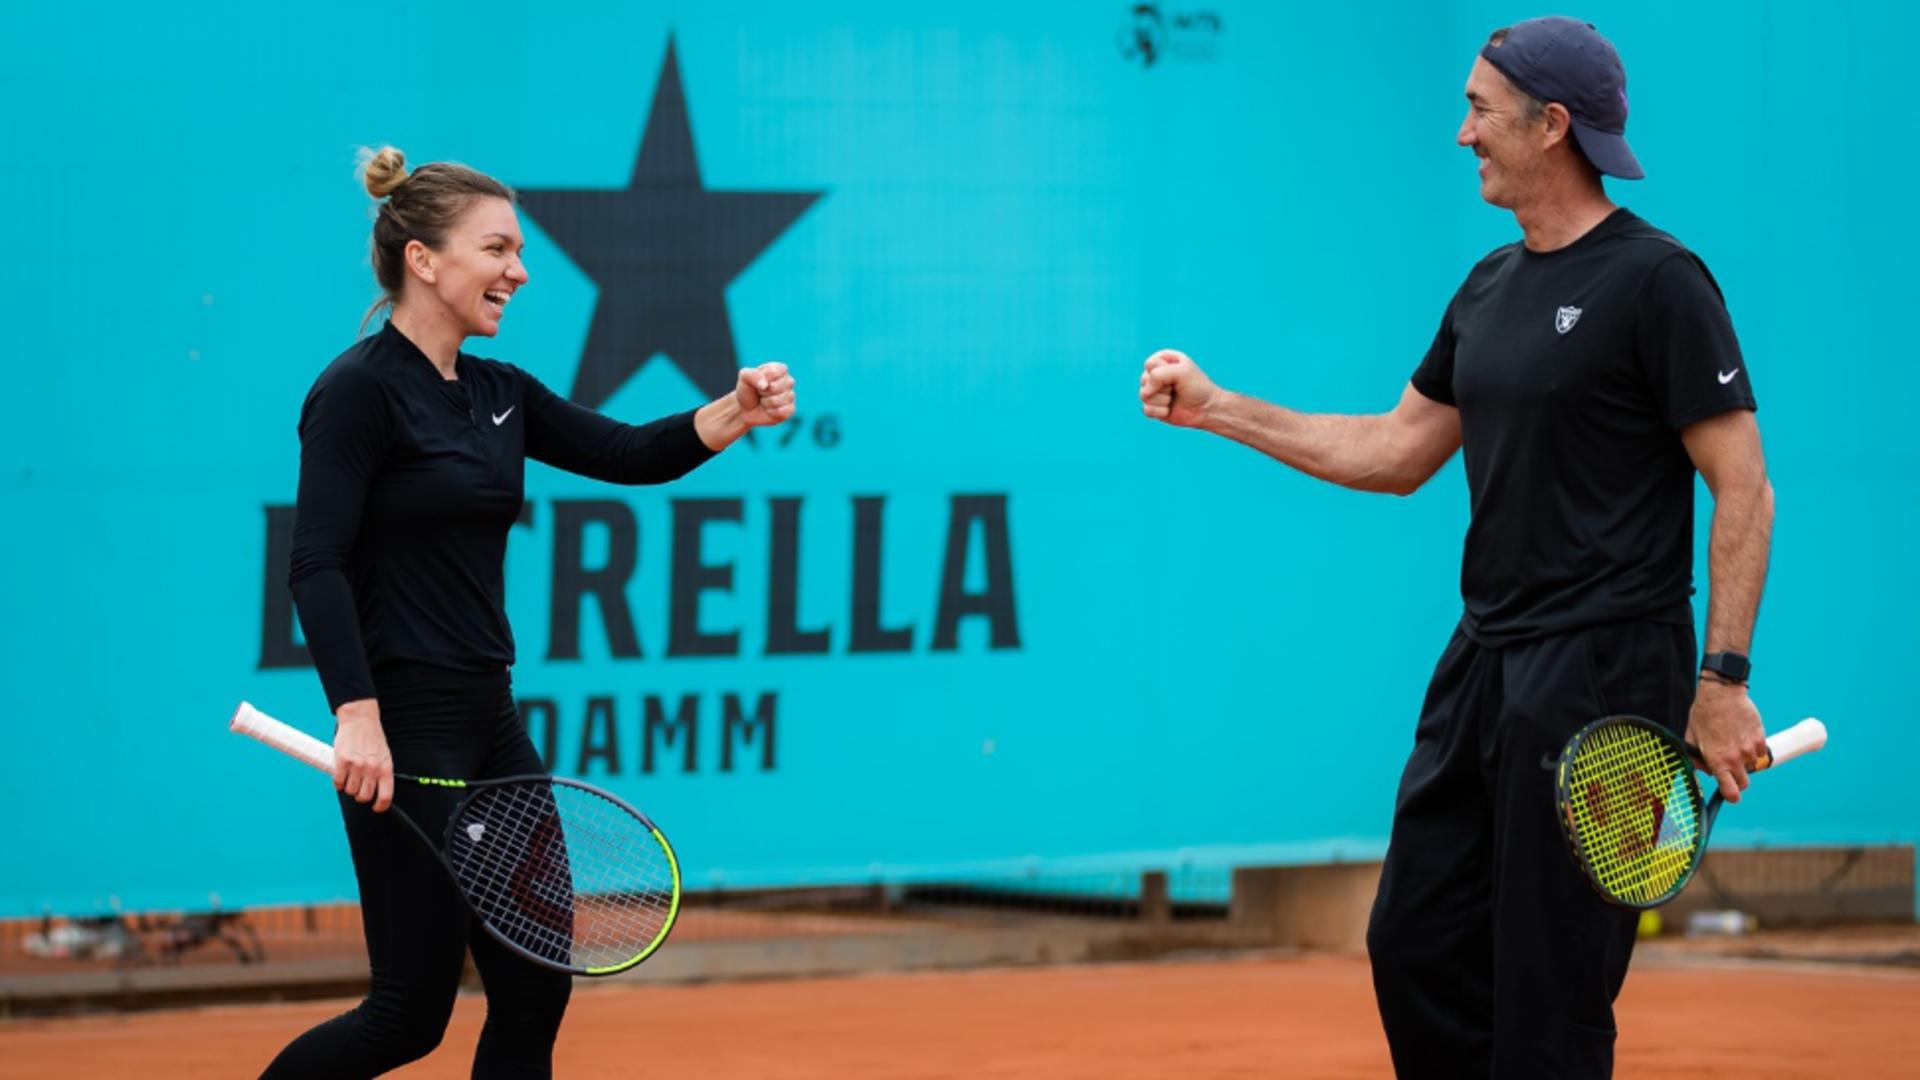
1802 738
292 742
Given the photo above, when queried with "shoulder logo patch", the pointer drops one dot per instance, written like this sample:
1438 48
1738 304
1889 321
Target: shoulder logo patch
1564 319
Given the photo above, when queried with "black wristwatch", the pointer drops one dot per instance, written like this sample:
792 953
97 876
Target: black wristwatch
1731 666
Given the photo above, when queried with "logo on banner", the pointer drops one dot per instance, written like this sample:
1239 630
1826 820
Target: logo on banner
662 250
1150 36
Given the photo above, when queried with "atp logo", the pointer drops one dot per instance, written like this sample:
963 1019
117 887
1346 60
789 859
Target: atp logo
1148 36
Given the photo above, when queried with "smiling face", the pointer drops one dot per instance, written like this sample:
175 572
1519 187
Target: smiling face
475 273
1508 137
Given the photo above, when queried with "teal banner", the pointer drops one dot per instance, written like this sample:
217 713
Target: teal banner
969 611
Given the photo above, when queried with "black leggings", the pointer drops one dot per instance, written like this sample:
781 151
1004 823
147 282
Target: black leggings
437 723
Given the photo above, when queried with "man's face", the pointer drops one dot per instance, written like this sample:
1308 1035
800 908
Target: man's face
1510 145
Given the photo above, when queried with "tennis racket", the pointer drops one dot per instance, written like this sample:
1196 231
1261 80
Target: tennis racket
1629 804
565 874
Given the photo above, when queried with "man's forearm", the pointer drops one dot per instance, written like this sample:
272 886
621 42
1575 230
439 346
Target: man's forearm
1352 451
1737 562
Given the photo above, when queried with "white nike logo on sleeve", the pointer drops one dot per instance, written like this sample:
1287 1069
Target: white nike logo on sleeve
1725 378
501 418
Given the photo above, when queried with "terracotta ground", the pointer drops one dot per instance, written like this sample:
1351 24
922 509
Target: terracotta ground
1258 1016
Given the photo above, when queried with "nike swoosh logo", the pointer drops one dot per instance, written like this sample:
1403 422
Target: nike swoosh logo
502 417
1725 377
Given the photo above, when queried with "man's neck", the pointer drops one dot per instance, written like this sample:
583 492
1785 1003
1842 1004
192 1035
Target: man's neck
1562 214
435 337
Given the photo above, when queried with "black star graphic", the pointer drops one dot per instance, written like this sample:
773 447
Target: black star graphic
662 251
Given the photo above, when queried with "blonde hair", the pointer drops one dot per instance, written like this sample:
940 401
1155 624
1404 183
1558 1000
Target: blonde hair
422 205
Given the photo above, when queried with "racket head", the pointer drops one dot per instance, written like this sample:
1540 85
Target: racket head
566 874
1629 804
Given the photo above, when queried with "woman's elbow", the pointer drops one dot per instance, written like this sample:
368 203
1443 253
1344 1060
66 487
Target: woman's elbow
309 563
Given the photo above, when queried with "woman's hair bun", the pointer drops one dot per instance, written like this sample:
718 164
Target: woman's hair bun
382 170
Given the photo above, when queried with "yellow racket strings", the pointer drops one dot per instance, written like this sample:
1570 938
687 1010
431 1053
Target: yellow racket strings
1634 813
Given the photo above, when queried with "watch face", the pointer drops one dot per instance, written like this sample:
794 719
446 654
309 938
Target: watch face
1731 665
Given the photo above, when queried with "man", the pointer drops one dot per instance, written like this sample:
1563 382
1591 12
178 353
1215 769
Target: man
1587 371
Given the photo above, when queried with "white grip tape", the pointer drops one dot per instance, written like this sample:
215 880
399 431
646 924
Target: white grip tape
293 742
1802 738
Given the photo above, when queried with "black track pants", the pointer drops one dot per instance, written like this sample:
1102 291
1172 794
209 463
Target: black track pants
1492 957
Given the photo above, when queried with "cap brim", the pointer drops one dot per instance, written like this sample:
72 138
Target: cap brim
1608 152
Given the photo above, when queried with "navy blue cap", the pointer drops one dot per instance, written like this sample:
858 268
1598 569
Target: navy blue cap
1565 60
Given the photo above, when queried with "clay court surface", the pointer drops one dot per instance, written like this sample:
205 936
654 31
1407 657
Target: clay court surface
1284 1016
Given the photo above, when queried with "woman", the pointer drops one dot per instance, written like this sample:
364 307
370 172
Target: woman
412 455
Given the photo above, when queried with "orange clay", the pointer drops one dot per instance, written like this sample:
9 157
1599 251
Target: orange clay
1259 1016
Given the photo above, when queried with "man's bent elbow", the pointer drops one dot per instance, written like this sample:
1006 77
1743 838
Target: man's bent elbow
1408 485
1389 483
1411 476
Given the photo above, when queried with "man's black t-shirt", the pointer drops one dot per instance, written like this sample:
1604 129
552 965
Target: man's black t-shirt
1574 371
408 485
